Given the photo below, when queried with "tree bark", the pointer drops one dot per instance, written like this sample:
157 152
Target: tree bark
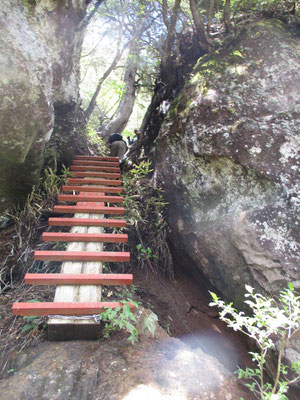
112 66
227 16
124 110
210 14
203 38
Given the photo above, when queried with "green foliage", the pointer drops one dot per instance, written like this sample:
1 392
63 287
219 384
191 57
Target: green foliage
269 323
95 139
145 208
122 318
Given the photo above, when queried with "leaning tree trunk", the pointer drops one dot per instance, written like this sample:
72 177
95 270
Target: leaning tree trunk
124 110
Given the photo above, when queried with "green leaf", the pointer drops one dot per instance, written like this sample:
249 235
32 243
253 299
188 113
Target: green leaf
214 296
150 323
291 286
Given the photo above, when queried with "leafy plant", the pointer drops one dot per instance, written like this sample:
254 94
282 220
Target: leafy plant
144 253
123 318
120 318
270 322
95 139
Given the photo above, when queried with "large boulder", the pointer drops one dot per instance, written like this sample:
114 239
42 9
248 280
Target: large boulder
40 46
228 160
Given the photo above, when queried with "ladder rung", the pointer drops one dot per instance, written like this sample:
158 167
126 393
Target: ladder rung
93 168
109 182
81 197
89 210
100 189
84 237
96 158
97 163
64 308
81 256
118 223
78 279
95 174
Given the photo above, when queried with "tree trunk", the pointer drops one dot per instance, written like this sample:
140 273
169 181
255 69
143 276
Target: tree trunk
227 15
199 25
124 110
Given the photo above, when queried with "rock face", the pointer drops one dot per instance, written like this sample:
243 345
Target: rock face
40 46
163 368
228 160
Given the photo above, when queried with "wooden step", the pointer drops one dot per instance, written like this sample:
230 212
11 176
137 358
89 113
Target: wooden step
108 182
84 237
93 168
97 163
78 279
100 189
51 255
89 209
87 174
117 223
64 308
82 197
96 158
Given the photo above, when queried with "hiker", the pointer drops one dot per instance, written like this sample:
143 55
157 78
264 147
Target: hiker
134 139
118 146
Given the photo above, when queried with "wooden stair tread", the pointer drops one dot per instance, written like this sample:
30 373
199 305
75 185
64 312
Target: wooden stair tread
97 163
53 255
94 168
45 308
121 223
89 209
87 174
90 198
78 279
84 237
109 182
100 189
98 158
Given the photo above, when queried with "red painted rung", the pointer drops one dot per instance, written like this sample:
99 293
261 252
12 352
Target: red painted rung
84 237
118 223
81 197
81 256
96 158
95 181
100 189
78 279
95 174
97 163
64 308
94 168
89 210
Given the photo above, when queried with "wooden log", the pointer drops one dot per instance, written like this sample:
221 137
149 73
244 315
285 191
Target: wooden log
109 182
99 189
90 198
79 279
64 308
84 237
52 255
90 209
119 223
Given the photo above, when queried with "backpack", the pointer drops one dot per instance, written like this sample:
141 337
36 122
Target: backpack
115 137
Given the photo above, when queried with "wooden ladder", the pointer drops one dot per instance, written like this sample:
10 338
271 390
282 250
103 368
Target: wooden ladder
77 301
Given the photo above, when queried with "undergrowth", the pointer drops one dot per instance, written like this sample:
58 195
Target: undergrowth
145 214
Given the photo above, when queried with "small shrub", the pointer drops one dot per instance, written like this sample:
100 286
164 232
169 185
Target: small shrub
270 321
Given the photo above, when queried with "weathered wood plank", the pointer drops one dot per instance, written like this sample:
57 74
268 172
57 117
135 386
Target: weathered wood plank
64 308
90 209
79 279
90 198
109 182
119 223
99 189
96 158
84 237
87 174
53 255
94 168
